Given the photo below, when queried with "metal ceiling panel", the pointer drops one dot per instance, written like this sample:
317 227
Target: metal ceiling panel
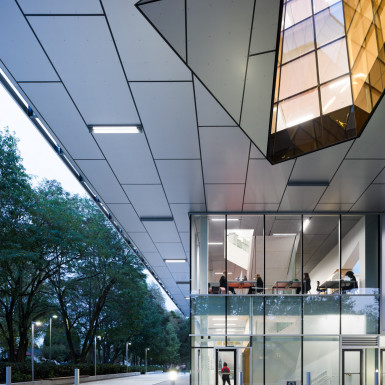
185 237
100 175
168 115
221 166
143 242
61 7
182 277
178 267
154 259
351 180
171 251
148 200
333 207
266 183
380 178
319 166
182 180
265 26
129 156
260 207
372 200
220 63
93 75
224 197
210 112
127 217
255 119
153 59
161 231
255 153
20 50
301 198
164 273
57 109
181 217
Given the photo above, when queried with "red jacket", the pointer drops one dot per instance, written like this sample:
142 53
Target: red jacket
225 369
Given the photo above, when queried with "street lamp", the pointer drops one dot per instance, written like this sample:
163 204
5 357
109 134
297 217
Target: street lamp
145 358
50 334
37 323
96 338
127 343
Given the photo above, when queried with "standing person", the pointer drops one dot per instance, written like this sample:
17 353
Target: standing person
306 283
223 283
225 374
259 285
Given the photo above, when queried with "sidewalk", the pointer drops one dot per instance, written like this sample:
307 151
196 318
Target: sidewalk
148 379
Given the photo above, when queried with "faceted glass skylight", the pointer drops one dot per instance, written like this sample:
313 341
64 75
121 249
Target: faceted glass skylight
330 73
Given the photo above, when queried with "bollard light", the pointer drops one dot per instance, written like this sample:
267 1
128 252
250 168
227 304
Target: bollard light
173 375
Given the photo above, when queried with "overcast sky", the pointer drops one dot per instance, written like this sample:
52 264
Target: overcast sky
39 160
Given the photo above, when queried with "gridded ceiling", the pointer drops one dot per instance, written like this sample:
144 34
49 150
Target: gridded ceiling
102 62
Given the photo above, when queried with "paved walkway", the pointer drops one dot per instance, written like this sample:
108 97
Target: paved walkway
148 379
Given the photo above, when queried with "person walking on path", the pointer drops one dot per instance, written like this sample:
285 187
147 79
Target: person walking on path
225 374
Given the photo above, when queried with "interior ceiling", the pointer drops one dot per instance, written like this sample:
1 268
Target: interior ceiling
88 62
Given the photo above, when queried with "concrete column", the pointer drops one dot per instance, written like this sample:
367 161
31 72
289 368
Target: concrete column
203 256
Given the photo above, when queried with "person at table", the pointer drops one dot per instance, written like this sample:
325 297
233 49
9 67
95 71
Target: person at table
352 284
225 374
306 286
223 283
259 285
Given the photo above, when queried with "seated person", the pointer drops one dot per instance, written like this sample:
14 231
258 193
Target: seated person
258 287
319 290
352 284
223 283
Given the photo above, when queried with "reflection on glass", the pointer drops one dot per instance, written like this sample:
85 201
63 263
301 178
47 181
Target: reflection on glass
338 47
359 314
208 314
257 364
238 315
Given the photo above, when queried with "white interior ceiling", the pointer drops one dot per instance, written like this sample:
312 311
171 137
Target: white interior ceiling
101 62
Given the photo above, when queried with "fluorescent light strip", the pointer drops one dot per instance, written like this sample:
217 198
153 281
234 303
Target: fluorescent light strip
215 243
116 129
175 260
306 223
223 219
13 88
222 273
284 235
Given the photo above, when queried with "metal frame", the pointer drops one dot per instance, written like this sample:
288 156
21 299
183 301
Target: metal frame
343 363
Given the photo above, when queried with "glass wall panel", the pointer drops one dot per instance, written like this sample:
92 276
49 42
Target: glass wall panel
319 5
203 366
359 314
321 314
283 254
322 359
321 258
245 249
238 312
208 341
332 100
208 315
283 314
359 240
296 11
258 314
329 25
282 360
257 354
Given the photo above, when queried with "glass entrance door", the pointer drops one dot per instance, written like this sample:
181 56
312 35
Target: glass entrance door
352 367
226 367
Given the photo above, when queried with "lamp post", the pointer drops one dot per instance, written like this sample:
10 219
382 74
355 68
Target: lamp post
50 334
96 338
37 323
145 358
127 343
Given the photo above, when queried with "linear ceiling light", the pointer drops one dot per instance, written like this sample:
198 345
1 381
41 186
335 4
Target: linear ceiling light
223 219
175 260
284 235
134 129
215 243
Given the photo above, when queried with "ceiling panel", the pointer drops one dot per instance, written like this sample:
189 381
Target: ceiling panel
60 6
351 180
58 111
255 119
127 217
255 153
185 237
301 198
153 59
168 115
265 26
154 259
161 231
100 175
319 166
333 207
20 51
93 76
182 277
266 183
171 251
225 28
182 180
210 112
164 273
372 199
143 242
185 289
225 153
148 200
222 197
178 267
260 206
129 156
380 178
181 217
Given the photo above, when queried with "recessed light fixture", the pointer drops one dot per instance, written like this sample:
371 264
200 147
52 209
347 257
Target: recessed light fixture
129 129
284 235
175 260
222 273
215 243
187 297
223 219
